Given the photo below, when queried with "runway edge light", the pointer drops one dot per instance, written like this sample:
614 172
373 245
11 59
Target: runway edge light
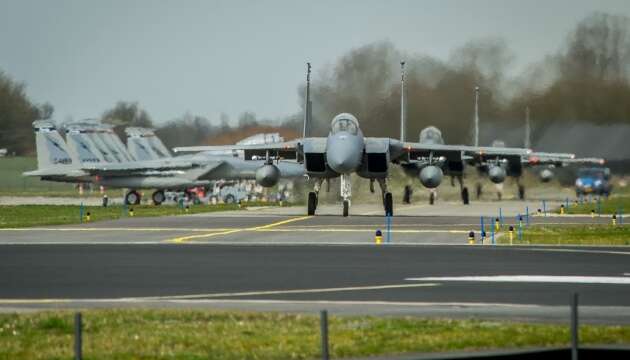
378 237
471 238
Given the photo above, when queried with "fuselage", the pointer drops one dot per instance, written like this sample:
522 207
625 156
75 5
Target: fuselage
345 144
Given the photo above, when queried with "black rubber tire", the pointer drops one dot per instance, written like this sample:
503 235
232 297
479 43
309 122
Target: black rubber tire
479 190
389 204
158 197
346 208
521 192
132 198
312 203
465 197
407 195
431 198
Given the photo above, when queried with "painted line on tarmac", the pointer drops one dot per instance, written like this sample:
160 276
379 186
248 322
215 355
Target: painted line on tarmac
220 295
403 231
285 292
182 239
117 229
614 280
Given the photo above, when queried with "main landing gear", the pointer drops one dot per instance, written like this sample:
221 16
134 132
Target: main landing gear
521 192
158 197
388 200
408 192
132 198
463 191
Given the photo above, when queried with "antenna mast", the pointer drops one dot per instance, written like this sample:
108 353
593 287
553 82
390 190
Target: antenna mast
528 130
307 105
476 135
402 101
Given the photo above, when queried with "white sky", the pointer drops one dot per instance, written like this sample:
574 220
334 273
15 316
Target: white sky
208 57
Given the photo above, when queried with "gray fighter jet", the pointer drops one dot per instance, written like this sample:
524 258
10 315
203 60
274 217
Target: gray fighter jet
83 161
347 151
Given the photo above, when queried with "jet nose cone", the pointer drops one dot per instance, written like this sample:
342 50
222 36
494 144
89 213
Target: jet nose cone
343 154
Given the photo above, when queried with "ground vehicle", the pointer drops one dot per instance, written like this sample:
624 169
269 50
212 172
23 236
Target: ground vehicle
595 180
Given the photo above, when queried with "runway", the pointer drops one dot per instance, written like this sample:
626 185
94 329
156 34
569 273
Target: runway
267 259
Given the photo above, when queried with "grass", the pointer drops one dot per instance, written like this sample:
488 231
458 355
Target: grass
609 206
13 183
13 216
203 334
572 235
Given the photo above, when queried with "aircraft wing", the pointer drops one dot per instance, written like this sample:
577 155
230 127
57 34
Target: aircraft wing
135 167
459 152
558 159
283 150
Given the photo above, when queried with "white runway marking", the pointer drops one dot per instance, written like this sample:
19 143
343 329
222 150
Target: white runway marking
618 280
295 291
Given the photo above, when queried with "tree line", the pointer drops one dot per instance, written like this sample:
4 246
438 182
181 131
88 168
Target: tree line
586 80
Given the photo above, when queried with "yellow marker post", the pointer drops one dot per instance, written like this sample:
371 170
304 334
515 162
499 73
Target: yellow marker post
131 212
614 219
497 225
187 208
471 238
88 217
511 233
592 214
562 209
378 237
539 212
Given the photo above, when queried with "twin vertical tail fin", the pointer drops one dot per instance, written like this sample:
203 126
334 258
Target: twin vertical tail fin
143 144
51 148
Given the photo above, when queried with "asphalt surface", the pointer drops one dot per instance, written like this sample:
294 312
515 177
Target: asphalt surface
272 259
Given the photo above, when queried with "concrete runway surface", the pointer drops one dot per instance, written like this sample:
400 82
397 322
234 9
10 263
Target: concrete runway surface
279 259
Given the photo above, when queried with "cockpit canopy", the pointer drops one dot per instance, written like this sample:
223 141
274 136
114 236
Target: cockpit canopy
345 122
431 135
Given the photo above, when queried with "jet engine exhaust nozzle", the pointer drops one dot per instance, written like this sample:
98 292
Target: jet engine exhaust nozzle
496 174
267 175
431 176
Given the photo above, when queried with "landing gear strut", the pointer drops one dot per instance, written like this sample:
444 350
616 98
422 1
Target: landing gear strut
132 198
521 192
346 193
158 197
431 197
479 190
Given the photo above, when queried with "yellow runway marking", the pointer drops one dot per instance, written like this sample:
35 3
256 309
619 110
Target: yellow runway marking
402 231
115 229
182 239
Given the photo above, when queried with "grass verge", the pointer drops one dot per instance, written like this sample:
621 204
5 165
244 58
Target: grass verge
14 216
203 334
572 235
608 206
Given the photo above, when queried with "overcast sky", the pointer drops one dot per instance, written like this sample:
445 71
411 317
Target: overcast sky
208 57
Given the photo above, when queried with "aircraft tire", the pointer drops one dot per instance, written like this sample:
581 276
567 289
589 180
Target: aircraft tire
312 203
389 204
465 198
521 192
407 195
431 198
132 198
158 197
346 208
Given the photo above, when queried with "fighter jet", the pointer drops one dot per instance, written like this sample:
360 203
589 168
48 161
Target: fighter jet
82 161
346 151
497 169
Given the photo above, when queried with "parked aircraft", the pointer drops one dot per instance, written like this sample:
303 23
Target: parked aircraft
82 161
